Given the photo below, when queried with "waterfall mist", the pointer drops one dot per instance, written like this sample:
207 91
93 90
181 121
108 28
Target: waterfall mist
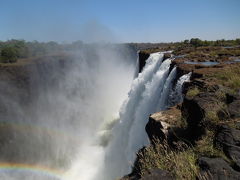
82 117
60 127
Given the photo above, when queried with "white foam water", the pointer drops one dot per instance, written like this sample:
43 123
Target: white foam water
87 104
149 93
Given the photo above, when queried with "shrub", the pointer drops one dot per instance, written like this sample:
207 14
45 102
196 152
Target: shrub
9 55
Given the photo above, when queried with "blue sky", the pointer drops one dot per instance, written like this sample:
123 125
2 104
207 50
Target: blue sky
119 20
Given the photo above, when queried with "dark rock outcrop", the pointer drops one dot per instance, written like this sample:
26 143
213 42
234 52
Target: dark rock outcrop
206 108
234 109
155 129
231 97
228 139
167 56
194 113
216 168
155 174
160 123
142 57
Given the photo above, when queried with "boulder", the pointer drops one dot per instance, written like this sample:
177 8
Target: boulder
234 109
231 97
197 110
228 139
216 168
160 123
166 56
193 111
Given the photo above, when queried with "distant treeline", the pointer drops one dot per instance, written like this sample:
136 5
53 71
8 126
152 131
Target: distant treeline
196 42
12 50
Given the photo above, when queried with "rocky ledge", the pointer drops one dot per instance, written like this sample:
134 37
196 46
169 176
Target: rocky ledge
199 138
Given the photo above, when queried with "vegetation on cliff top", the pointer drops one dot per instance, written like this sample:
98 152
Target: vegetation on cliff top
12 50
215 94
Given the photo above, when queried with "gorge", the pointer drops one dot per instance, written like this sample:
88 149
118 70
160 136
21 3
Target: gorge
97 113
72 119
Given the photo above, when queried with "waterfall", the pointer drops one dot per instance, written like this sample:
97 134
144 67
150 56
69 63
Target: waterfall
137 66
81 120
149 93
176 94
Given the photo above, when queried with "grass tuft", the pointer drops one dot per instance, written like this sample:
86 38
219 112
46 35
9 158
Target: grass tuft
193 92
181 164
205 146
230 77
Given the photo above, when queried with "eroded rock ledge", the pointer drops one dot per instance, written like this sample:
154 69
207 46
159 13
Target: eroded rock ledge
207 122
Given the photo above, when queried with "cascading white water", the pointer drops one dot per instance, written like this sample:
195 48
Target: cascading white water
85 106
175 95
149 93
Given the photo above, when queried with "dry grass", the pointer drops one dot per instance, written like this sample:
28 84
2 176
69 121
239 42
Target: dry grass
205 146
182 164
229 77
193 92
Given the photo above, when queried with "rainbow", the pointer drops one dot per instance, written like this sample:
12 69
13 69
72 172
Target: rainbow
34 128
9 168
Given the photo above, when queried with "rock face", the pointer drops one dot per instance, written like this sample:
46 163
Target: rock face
216 168
142 57
157 174
229 140
234 109
194 110
159 124
166 56
202 121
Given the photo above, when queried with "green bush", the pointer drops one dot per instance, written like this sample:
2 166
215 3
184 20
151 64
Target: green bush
9 55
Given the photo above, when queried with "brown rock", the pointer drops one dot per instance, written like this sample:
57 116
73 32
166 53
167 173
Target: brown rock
160 123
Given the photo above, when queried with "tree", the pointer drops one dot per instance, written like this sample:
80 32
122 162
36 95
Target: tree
186 41
196 42
9 54
237 41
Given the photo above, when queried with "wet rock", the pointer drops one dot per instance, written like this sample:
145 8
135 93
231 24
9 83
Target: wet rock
166 56
216 168
157 174
142 57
